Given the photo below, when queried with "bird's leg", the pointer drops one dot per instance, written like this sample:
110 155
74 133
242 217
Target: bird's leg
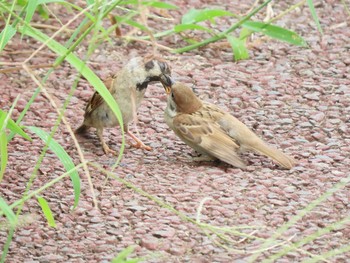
105 147
139 144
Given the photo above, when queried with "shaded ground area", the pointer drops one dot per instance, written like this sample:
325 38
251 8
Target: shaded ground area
293 97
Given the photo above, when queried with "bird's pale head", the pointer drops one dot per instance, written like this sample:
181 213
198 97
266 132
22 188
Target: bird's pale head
183 100
150 69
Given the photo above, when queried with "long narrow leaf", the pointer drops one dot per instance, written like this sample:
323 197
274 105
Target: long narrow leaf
314 15
31 6
81 67
3 154
7 211
5 36
64 158
239 48
184 27
158 4
123 255
130 22
49 1
275 32
12 126
329 254
198 15
47 211
85 71
224 34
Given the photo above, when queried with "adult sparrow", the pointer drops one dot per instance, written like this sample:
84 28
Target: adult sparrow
128 88
213 132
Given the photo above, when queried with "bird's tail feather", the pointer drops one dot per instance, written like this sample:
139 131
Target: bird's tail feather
277 155
82 129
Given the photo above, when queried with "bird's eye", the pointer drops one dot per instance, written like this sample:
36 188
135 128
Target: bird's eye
149 65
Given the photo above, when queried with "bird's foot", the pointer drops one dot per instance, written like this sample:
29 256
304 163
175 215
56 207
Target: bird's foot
108 150
139 144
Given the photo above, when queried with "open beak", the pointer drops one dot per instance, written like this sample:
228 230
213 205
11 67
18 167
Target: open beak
167 82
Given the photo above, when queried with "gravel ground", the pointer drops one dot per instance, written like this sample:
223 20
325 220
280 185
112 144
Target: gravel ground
296 98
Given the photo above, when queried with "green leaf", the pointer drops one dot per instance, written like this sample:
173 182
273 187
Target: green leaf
184 27
31 6
121 19
7 211
275 32
122 256
90 2
158 4
40 2
3 154
43 13
314 15
5 36
12 126
85 71
64 158
239 48
47 211
244 33
80 66
21 2
198 15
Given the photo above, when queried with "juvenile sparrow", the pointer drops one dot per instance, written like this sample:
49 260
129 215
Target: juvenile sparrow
127 87
213 132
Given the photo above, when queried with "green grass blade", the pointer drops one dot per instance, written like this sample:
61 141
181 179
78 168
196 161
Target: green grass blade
223 35
198 15
4 122
86 72
5 36
183 27
80 66
130 22
64 158
12 219
158 4
301 213
122 256
12 126
328 254
7 211
47 211
239 48
49 1
309 238
3 154
275 32
314 15
30 9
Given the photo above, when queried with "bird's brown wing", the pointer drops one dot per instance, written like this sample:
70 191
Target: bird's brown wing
208 137
245 137
96 99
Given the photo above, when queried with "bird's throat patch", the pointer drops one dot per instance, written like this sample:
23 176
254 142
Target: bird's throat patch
142 86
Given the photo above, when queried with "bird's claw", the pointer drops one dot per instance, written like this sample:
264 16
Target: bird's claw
140 145
108 150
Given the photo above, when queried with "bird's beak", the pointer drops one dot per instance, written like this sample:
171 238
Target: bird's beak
167 82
